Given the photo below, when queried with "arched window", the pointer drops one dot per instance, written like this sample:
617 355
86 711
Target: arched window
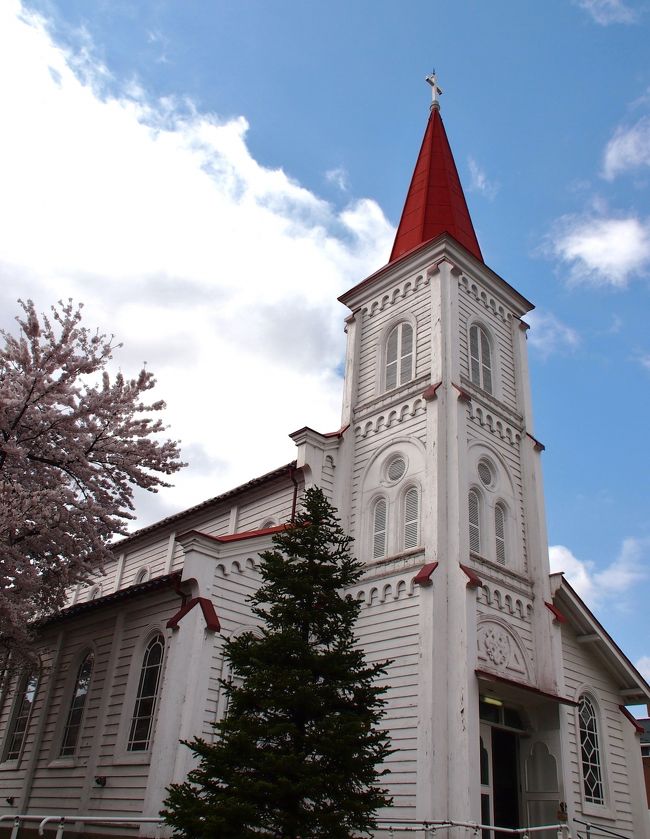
77 704
399 356
145 701
480 358
142 576
25 696
379 529
411 518
500 532
474 521
592 776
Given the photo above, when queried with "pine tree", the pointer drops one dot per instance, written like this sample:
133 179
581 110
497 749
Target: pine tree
296 756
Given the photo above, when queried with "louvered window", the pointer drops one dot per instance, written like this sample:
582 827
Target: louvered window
399 356
379 529
590 752
474 522
77 704
396 469
500 532
485 473
411 518
18 729
480 358
145 703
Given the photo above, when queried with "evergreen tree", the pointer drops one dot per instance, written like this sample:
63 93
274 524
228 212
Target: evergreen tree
296 756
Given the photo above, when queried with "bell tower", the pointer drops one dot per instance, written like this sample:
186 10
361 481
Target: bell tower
439 483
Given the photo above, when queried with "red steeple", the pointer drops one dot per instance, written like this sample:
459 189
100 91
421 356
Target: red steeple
435 202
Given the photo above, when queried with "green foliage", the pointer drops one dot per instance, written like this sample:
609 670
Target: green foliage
296 755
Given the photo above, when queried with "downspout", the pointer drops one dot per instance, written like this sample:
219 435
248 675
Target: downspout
176 585
292 475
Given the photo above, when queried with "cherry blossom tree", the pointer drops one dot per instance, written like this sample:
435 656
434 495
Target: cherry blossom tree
73 445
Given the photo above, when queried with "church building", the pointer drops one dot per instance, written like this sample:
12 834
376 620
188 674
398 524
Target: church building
506 700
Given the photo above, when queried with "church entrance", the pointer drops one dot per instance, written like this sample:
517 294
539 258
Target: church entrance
501 729
519 777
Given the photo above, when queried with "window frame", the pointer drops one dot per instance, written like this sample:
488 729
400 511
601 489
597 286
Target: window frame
124 756
480 525
592 807
23 679
380 499
398 326
501 505
154 637
404 522
70 694
484 331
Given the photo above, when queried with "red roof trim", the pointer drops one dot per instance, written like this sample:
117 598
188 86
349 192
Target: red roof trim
493 677
235 537
338 433
423 577
435 202
558 617
431 392
207 607
638 727
473 579
539 447
231 493
463 395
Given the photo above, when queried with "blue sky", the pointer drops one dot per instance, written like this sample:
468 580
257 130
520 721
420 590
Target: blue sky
209 176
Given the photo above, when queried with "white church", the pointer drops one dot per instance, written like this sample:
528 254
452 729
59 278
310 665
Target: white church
507 698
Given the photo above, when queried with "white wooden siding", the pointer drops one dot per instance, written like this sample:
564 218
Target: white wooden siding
581 668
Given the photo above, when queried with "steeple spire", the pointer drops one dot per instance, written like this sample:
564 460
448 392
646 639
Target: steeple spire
435 202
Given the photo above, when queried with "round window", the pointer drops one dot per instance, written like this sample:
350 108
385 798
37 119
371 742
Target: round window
395 468
486 473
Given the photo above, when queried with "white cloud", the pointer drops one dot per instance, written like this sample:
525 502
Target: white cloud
338 177
643 666
605 12
628 150
200 259
548 335
602 250
644 361
479 181
597 586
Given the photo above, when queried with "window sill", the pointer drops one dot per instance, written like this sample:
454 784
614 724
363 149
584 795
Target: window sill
9 765
131 759
64 763
602 811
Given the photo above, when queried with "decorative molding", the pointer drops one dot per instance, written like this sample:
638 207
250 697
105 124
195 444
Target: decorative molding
406 287
236 566
496 598
500 648
501 428
375 595
390 418
475 290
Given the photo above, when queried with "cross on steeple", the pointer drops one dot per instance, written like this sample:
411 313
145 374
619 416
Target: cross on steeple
432 79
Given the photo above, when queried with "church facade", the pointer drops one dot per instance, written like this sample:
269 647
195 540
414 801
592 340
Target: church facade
507 699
